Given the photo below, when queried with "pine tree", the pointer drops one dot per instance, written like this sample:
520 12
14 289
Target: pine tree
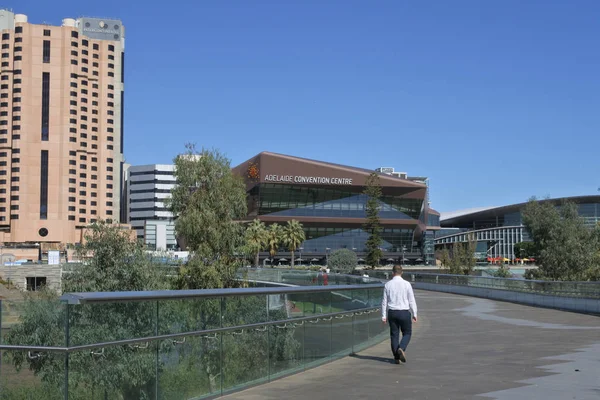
373 224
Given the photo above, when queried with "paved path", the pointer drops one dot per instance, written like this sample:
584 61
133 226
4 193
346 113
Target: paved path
464 348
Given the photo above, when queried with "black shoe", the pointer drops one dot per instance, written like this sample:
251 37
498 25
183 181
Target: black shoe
401 355
396 361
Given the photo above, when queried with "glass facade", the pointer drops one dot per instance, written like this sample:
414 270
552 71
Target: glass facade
319 239
294 200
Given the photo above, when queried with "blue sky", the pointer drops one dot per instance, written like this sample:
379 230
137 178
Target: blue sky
495 101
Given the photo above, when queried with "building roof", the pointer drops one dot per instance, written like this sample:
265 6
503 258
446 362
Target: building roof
482 212
383 176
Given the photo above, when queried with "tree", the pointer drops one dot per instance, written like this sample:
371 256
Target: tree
455 264
444 257
255 238
503 272
208 201
117 262
373 224
524 250
342 260
469 261
293 236
274 234
566 249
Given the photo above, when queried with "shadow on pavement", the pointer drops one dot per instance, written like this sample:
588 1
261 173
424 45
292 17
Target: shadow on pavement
373 358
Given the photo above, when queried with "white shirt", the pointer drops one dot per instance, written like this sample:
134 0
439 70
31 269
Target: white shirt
398 295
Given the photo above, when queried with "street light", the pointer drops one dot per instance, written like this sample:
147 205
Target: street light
300 250
403 250
327 256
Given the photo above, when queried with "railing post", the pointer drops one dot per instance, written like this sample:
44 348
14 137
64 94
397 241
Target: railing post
67 322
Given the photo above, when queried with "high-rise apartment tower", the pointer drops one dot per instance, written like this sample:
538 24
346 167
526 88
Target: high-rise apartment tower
61 127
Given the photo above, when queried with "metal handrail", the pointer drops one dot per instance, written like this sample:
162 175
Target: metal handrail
171 336
106 297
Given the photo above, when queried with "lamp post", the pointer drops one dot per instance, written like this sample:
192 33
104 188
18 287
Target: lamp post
300 251
327 256
403 250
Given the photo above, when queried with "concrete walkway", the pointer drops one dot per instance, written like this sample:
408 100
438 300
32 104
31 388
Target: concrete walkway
464 348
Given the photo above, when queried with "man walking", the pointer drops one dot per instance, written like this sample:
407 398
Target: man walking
398 302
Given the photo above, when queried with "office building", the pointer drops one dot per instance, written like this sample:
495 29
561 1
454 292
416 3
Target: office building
147 188
61 127
497 229
328 200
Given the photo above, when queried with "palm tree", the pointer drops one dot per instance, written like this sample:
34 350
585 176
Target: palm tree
273 239
256 238
293 236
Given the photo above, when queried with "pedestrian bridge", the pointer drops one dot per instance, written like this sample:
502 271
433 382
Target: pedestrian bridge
308 341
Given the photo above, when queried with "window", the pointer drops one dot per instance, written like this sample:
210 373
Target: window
94 94
82 193
111 96
84 52
94 194
74 53
84 91
111 74
82 211
18 40
72 171
83 109
109 212
110 112
111 57
46 105
5 46
74 34
82 220
110 47
94 86
82 202
71 218
84 69
96 56
5 64
84 60
109 195
73 62
17 72
95 65
35 284
46 52
95 103
18 58
96 46
14 198
15 169
112 66
46 32
74 44
72 181
84 42
14 188
5 36
72 162
109 147
95 73
5 55
19 29
109 204
14 207
16 118
111 104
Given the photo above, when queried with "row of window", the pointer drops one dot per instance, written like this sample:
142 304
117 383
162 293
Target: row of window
74 35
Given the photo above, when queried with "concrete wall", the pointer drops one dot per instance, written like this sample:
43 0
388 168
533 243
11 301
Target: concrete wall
18 274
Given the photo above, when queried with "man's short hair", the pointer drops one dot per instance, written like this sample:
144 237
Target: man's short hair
397 270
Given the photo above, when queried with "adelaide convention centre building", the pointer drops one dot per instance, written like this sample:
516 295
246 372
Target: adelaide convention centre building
329 201
498 229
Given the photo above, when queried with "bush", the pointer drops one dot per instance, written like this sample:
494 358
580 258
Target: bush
343 260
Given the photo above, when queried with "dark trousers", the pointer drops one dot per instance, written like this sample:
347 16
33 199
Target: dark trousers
399 320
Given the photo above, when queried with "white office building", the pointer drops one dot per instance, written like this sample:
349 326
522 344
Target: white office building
147 188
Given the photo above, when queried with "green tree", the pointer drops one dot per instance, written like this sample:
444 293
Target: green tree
117 262
455 263
524 250
255 238
343 261
566 249
469 261
503 272
373 224
274 234
293 237
208 201
444 256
